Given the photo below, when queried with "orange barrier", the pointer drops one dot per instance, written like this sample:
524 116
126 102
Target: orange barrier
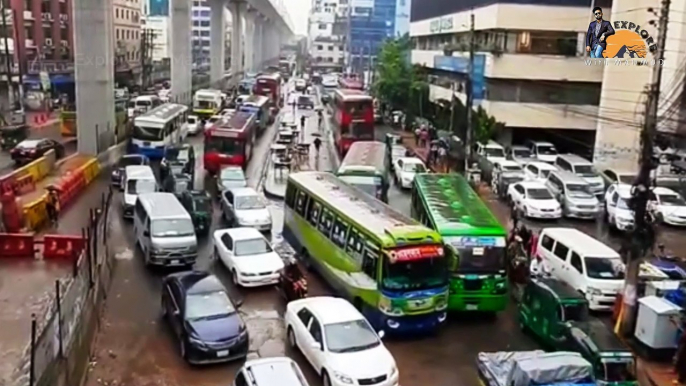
7 182
69 187
59 247
17 245
24 184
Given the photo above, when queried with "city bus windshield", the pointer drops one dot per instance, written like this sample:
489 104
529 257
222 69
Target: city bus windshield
479 254
223 145
205 105
373 186
147 133
420 274
620 369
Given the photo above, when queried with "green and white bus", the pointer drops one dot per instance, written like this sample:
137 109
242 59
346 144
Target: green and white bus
389 266
473 237
364 167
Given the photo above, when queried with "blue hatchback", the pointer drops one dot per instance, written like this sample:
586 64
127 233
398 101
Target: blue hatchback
204 318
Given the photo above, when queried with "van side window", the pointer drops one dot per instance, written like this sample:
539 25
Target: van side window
354 246
576 262
533 169
561 250
326 222
340 232
290 195
314 212
227 241
301 203
547 243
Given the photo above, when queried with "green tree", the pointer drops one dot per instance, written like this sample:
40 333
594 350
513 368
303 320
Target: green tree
485 127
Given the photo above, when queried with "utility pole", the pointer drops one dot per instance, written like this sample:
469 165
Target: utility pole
8 66
470 94
147 47
643 234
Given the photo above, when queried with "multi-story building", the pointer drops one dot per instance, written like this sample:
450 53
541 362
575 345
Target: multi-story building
529 72
200 43
44 41
127 40
158 28
327 34
371 22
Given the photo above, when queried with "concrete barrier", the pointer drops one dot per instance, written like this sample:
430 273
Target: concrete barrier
111 156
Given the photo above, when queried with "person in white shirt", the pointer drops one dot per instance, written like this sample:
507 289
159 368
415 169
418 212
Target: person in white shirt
539 268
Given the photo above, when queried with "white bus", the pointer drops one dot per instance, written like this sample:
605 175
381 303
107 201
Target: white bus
207 103
142 104
159 128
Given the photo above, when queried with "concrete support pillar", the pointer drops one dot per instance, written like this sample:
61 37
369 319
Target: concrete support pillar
250 20
257 46
94 72
237 10
217 41
181 56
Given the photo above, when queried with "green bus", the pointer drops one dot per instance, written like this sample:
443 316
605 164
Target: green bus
474 240
365 168
389 266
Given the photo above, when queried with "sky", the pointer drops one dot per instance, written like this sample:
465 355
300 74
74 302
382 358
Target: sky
299 10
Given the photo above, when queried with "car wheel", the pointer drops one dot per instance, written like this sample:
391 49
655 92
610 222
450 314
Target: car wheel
326 381
291 338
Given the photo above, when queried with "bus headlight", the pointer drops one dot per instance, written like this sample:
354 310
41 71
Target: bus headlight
386 306
441 303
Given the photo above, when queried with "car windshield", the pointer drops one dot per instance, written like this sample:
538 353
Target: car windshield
147 133
172 228
494 152
202 205
425 273
176 154
249 202
575 312
141 186
539 194
130 161
208 305
414 168
481 259
251 247
671 200
521 153
604 268
232 174
579 191
547 150
627 178
351 336
131 104
585 170
618 370
192 120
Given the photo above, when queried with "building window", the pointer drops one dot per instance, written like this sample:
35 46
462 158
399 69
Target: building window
45 6
116 13
47 33
329 59
64 34
196 32
322 26
205 33
63 8
117 34
196 23
204 23
204 13
320 47
330 48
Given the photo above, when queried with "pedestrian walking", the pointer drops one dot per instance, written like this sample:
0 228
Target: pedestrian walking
52 207
302 122
417 134
320 113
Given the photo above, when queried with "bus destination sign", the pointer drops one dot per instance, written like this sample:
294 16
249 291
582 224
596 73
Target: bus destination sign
415 253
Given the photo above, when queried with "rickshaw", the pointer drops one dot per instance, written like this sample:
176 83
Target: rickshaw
199 205
11 135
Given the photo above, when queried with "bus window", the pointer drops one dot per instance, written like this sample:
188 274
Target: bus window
301 203
340 231
315 210
290 196
355 246
326 222
369 263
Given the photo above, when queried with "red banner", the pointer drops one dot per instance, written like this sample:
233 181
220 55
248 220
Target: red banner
59 247
415 253
16 245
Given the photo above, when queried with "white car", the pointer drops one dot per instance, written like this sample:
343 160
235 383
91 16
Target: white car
669 207
405 169
533 200
248 255
339 343
244 207
213 120
193 124
329 81
538 171
617 209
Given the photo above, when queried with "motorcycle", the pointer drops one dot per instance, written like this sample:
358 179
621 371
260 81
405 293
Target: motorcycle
292 283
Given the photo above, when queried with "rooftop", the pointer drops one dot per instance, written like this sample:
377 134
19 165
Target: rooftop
583 243
330 310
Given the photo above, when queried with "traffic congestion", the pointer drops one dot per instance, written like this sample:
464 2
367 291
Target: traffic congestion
371 271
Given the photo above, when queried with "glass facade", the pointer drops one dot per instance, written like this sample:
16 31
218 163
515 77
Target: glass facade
159 7
368 31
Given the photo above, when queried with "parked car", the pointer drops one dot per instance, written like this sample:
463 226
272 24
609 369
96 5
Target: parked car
231 177
199 205
487 154
268 371
574 194
668 206
397 152
305 102
505 172
244 207
204 318
193 123
584 169
538 171
118 177
178 159
31 149
520 154
533 200
610 176
248 255
339 343
405 169
542 150
617 211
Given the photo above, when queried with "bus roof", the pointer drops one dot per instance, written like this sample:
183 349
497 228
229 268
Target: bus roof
208 92
256 99
272 76
389 226
162 114
353 95
238 124
455 209
364 154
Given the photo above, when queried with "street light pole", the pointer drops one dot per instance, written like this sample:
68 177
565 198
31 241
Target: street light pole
8 66
643 234
470 94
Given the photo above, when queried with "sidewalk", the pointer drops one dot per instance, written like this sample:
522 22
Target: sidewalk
26 286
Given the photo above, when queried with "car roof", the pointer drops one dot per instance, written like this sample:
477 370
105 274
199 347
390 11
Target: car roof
539 143
532 185
664 191
542 165
139 172
194 282
30 142
508 162
583 243
519 147
243 233
330 310
273 371
242 192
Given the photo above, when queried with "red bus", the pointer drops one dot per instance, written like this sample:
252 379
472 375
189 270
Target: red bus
269 85
353 114
350 83
230 142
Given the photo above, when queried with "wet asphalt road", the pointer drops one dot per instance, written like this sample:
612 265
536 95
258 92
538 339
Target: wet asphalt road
51 131
135 347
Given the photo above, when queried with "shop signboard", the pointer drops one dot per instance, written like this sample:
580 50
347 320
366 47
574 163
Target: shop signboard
460 64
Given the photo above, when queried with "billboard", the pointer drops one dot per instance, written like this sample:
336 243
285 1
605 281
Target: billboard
428 9
159 7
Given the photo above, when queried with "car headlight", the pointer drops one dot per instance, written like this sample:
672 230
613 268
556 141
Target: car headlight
594 291
115 172
342 377
394 371
196 342
246 274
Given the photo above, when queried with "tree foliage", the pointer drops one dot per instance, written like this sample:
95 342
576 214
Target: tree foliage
485 127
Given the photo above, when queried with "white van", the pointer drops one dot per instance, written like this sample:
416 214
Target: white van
584 169
583 262
164 230
138 179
